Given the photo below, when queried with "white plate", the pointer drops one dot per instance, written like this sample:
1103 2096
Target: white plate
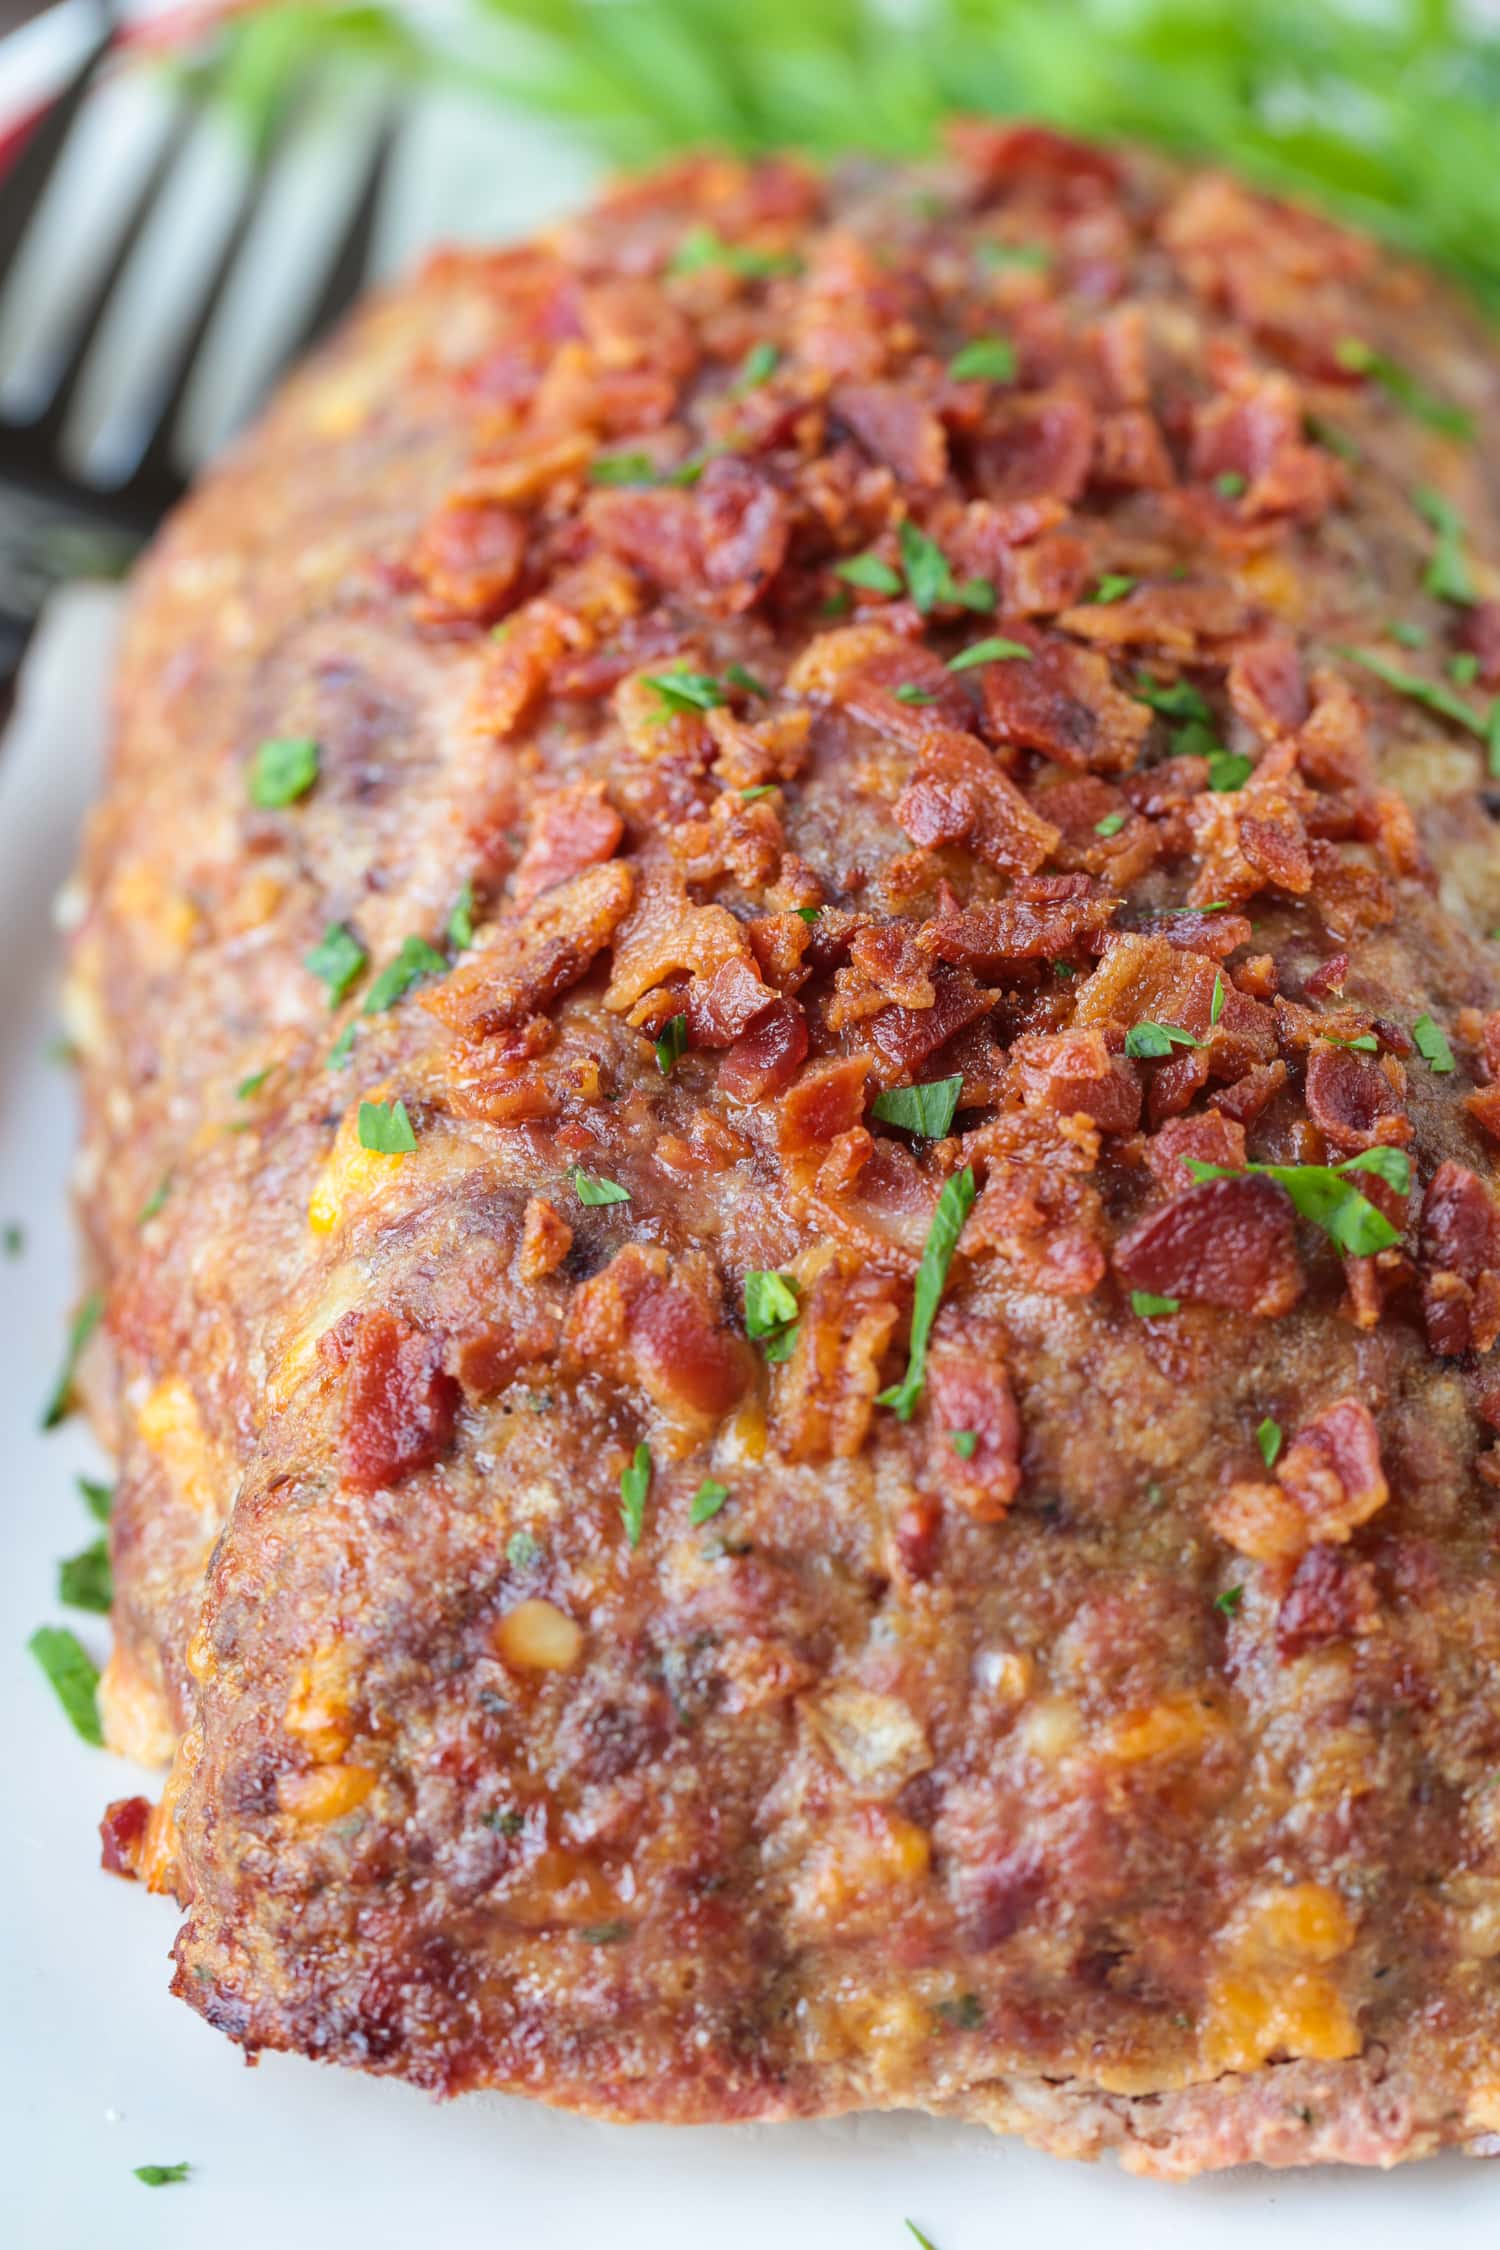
100 2070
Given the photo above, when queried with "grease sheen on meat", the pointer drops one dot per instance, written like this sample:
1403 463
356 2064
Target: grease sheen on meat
1123 1773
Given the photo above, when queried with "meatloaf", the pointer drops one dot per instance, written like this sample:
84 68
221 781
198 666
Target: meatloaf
791 1029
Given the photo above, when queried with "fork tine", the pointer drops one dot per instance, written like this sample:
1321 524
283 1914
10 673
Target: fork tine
29 177
346 275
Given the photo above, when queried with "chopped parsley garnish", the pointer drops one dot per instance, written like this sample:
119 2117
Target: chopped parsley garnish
738 677
707 1500
1436 697
154 1200
1112 587
60 1398
1328 434
252 1084
342 1048
1356 357
1227 769
909 692
681 690
521 1550
1216 1005
758 366
929 577
13 1236
339 959
1229 484
1034 256
590 1189
605 1933
635 1483
1145 1306
870 573
1432 1045
990 359
966 2013
1409 635
1325 1195
74 1677
1363 1042
1149 1041
386 1128
809 914
162 2175
1268 1438
953 1207
771 1311
1463 669
83 1580
965 1443
416 961
920 2238
459 927
97 1498
282 770
1229 1601
1448 576
1110 825
672 1045
1179 700
995 650
920 1109
623 468
753 796
703 247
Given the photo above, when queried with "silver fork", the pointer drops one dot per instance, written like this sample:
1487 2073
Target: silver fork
55 520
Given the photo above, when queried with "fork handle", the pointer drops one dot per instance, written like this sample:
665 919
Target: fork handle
42 544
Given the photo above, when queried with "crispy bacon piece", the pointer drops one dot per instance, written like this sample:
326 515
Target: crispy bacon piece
1330 1598
659 1324
905 1038
1357 1101
1037 449
1181 619
1268 687
898 426
825 1393
571 829
960 796
546 1239
666 937
1328 1482
1459 1256
400 1403
1229 1243
766 1057
1209 1139
1077 1073
724 541
469 556
1065 704
1479 633
1254 430
527 962
122 1836
1039 1212
1018 928
968 1390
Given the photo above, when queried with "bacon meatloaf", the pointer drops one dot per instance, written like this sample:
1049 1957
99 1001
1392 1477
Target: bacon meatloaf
792 1042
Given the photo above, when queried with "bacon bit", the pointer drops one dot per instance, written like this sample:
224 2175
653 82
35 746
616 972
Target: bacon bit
658 1324
1229 1243
723 542
527 963
1036 449
468 558
1244 1101
968 1390
1209 1139
1038 1211
1479 634
1078 805
898 426
1254 430
907 1038
914 1541
1267 686
1047 576
960 796
1328 1482
518 665
1077 1074
827 1100
546 1239
1065 704
766 1057
1330 1598
1130 451
1459 1253
888 957
739 840
399 1403
1357 1101
571 829
1484 1107
1075 174
1328 978
1278 851
988 938
771 749
1352 900
1181 620
1217 935
122 1836
825 1393
667 936
488 1358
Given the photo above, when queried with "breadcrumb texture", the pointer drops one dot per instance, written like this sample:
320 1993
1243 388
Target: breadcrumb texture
1065 1755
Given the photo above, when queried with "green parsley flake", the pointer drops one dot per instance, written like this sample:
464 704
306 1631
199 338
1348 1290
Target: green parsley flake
953 1207
1356 357
1268 1438
922 2241
707 1501
13 1237
1110 825
252 1084
753 796
808 914
605 1933
162 2175
635 1483
342 1048
1409 635
1149 1041
738 677
1364 1042
1112 587
83 1580
591 1190
703 247
60 1398
927 1110
1463 669
681 690
672 1045
416 961
1178 700
1229 485
990 359
1145 1306
386 1128
930 580
966 2013
154 1200
97 1498
623 468
1432 1046
1328 434
1325 1196
869 573
771 1311
909 692
995 650
758 366
521 1550
1033 257
965 1443
339 959
459 927
1448 576
1228 769
1229 1601
282 770
74 1677
1435 697
1216 1005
